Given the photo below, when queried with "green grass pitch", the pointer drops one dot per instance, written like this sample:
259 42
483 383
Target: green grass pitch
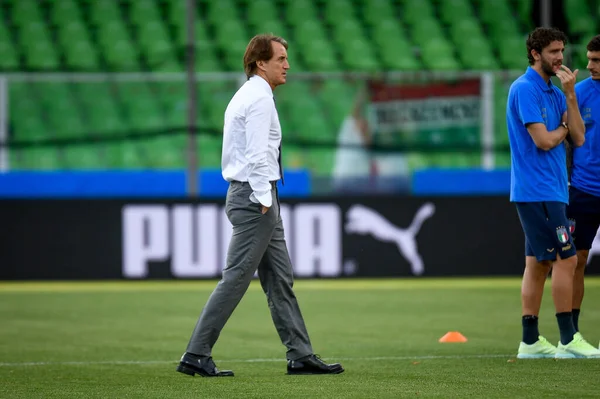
123 339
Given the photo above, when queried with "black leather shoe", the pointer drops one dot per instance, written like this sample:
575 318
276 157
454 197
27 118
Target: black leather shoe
312 364
191 364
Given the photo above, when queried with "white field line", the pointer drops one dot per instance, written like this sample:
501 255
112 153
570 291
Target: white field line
143 362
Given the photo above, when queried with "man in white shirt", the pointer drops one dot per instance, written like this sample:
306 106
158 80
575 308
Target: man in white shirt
251 162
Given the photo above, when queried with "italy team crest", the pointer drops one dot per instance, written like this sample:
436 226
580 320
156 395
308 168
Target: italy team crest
561 232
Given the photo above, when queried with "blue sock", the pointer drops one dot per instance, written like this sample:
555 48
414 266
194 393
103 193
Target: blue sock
530 329
576 319
566 327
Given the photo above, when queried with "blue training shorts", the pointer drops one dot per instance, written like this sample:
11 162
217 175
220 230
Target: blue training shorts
547 230
584 212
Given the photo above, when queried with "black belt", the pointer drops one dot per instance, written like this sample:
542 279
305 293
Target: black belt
272 182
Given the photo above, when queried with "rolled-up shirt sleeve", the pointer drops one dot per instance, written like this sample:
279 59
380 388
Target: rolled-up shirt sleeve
258 124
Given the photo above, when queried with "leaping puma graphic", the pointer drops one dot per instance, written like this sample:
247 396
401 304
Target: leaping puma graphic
363 220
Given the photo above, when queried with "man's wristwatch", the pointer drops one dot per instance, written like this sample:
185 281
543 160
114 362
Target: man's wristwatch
564 124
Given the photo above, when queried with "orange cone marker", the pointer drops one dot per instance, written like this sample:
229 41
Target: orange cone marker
453 336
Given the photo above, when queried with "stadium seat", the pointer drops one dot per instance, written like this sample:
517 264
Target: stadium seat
143 12
36 158
209 151
8 56
24 12
298 12
101 12
260 11
580 18
100 108
512 53
64 12
452 11
168 152
337 11
475 53
374 11
124 155
86 156
415 11
438 54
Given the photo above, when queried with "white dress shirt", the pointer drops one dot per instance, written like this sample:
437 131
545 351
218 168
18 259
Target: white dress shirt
251 139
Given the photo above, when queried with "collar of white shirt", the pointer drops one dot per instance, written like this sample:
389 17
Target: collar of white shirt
261 82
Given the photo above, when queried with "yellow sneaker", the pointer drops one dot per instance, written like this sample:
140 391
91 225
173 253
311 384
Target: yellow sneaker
577 348
540 349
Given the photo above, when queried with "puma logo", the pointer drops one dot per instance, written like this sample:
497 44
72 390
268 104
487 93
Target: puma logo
363 220
550 249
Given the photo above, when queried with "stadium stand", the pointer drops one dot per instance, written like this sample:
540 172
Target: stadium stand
150 35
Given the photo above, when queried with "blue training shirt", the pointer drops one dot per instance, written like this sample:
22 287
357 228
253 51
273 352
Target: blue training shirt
535 175
586 159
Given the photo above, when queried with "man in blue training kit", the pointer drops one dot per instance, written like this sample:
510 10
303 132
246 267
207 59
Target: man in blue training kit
539 118
584 193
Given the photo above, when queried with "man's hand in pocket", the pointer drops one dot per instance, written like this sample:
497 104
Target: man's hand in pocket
264 209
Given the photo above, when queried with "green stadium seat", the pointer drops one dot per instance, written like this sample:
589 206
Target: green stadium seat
141 106
347 30
580 18
124 155
156 46
452 11
524 10
176 12
319 56
512 53
9 59
230 30
100 108
260 11
415 11
144 12
121 55
83 157
25 112
61 109
36 158
338 11
41 56
464 29
103 12
64 12
298 12
375 11
427 29
366 62
112 31
200 33
438 54
165 152
33 32
72 31
24 12
275 27
82 56
206 59
495 13
209 151
310 30
476 54
218 12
